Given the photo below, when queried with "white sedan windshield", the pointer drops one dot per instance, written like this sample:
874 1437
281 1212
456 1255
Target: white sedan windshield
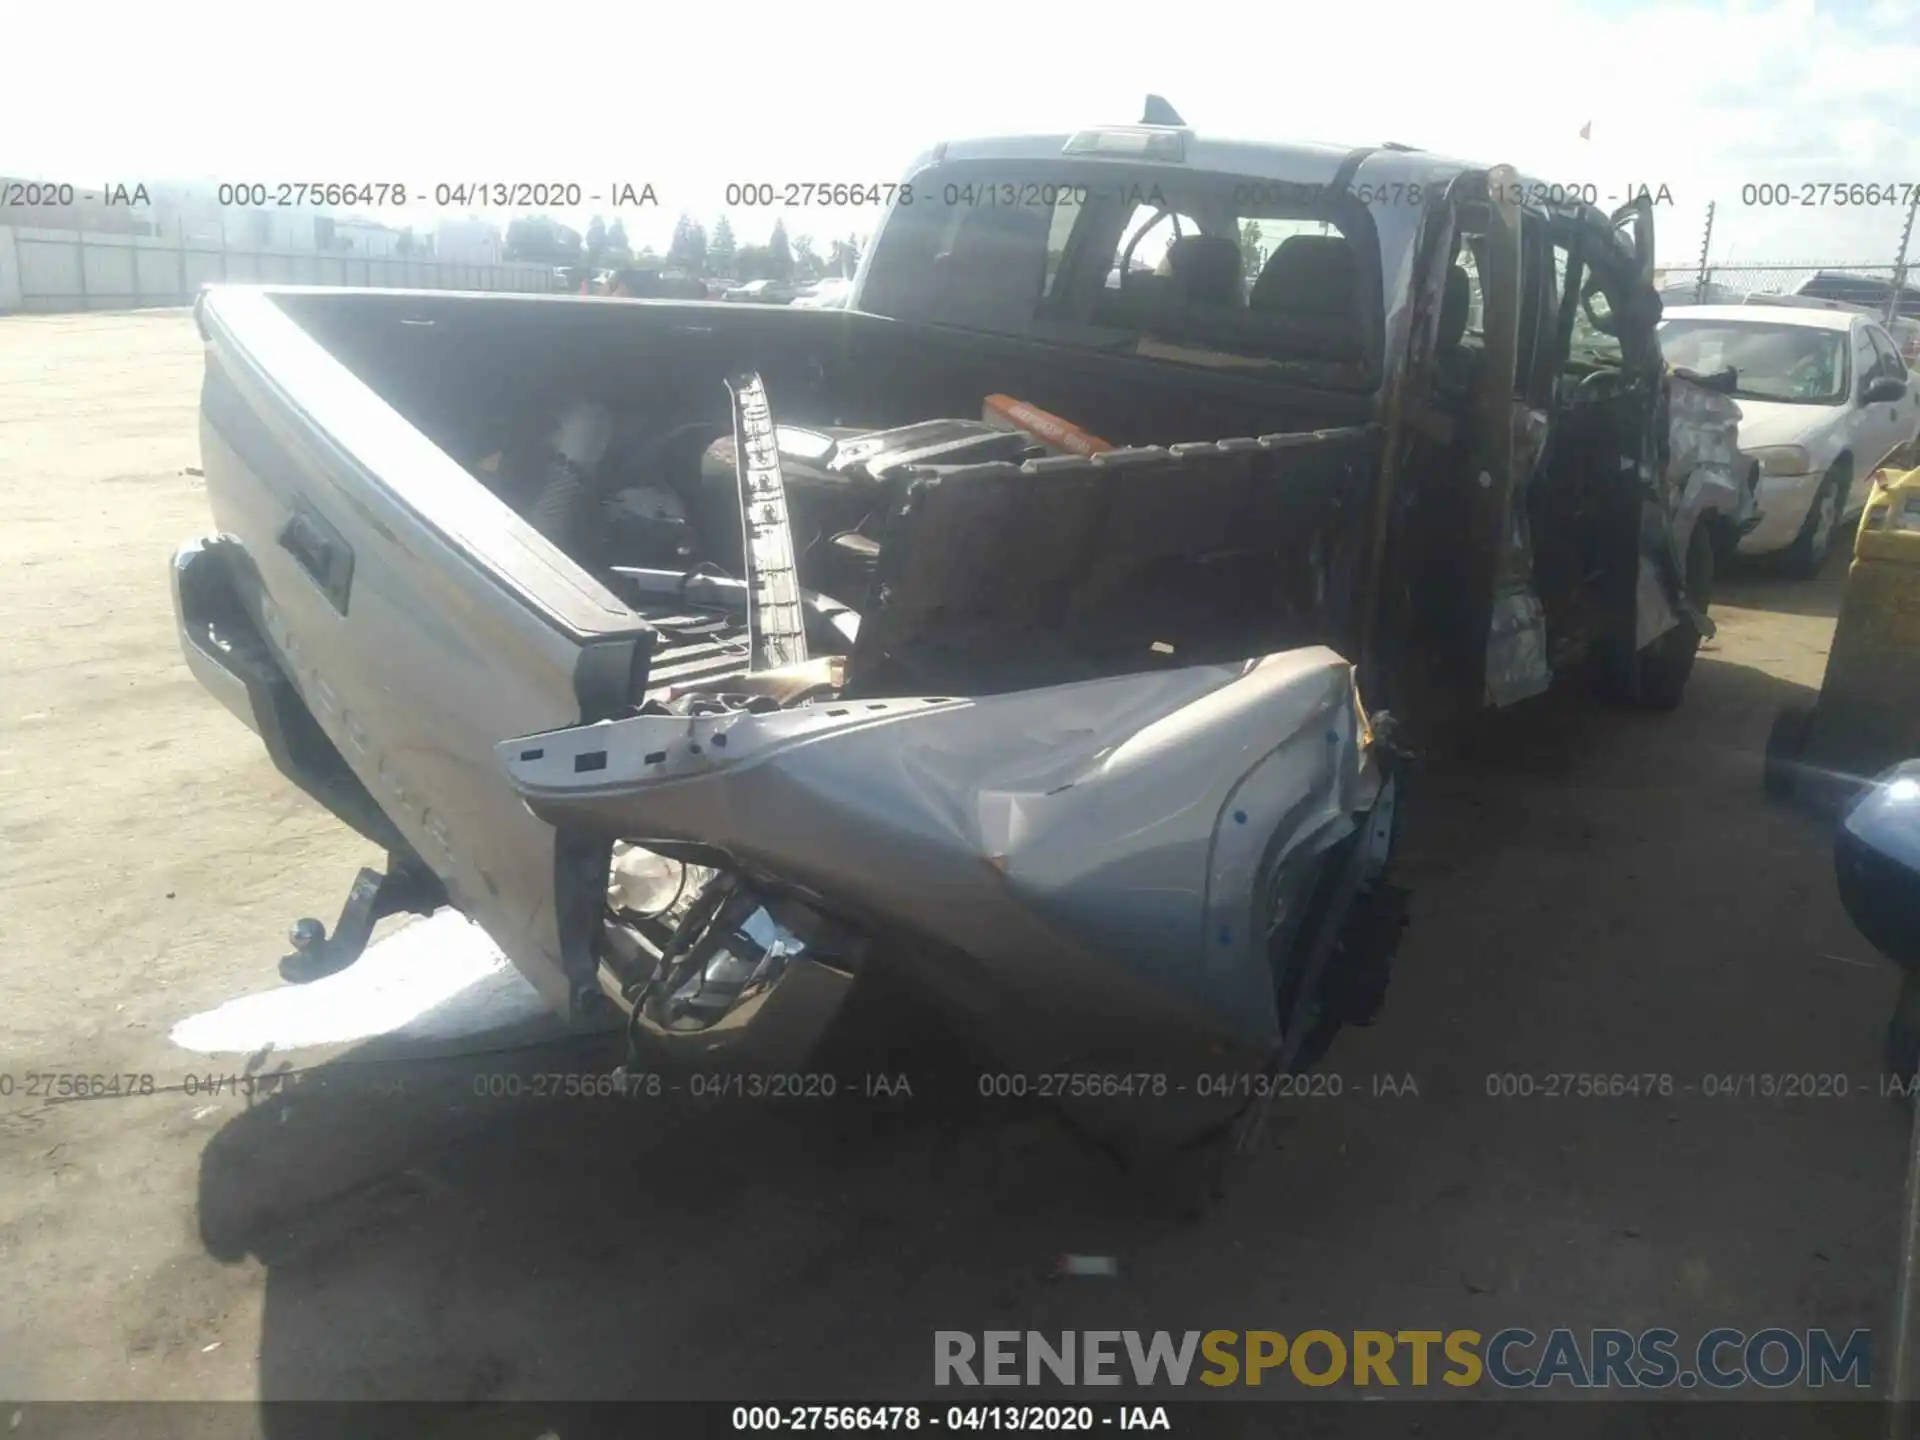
1796 364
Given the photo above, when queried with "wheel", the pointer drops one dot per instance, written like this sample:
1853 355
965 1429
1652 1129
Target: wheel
1814 543
1663 668
1786 742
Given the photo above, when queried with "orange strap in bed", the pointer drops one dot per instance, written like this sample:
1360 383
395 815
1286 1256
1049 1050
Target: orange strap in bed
1011 414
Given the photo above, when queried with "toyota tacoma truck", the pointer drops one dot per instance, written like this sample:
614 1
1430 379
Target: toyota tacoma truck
1040 633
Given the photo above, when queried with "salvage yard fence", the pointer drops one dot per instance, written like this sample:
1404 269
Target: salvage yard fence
1730 284
66 270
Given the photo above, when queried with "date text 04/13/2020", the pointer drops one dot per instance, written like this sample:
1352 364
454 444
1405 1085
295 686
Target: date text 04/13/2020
1029 1418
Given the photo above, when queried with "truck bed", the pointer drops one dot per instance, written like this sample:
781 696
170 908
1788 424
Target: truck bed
405 556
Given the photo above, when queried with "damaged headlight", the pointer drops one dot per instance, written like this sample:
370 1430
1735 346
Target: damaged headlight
1783 459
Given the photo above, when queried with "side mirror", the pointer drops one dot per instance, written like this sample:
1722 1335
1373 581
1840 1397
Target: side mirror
1883 389
1876 863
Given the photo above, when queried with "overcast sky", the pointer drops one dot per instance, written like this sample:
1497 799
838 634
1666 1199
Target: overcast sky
1701 97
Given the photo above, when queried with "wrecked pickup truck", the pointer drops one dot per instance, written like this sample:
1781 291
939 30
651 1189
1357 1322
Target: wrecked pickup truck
1034 631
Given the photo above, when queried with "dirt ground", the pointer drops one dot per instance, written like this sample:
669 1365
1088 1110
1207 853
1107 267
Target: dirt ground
1594 891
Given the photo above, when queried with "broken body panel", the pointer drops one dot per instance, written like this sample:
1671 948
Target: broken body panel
1093 878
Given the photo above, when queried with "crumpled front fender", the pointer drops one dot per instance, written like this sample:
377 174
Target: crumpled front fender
1705 458
1706 475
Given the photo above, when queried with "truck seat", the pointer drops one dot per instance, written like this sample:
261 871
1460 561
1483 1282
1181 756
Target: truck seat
1309 275
1205 270
1310 289
995 267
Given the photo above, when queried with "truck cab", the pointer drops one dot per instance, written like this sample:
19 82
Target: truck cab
1540 466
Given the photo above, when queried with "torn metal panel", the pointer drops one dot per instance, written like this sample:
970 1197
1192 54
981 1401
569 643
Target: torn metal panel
1517 667
1704 462
1115 842
1517 663
776 623
1705 474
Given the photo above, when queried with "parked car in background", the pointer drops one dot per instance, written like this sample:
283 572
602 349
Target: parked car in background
1904 330
1906 334
1692 292
1873 294
640 284
763 292
830 294
1825 398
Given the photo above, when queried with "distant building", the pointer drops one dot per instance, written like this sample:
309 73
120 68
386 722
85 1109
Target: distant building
467 240
193 213
366 239
86 207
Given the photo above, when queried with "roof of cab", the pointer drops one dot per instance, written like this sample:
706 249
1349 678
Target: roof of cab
1295 162
1809 318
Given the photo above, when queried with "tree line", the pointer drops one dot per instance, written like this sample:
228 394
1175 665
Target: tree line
540 239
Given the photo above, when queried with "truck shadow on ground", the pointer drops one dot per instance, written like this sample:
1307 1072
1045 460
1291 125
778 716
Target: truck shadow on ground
1595 891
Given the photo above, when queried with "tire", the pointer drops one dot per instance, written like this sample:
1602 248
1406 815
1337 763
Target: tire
1811 547
1664 667
1786 743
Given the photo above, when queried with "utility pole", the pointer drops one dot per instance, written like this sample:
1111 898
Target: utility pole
1706 240
1900 264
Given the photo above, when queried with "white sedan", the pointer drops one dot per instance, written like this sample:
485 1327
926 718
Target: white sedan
1824 399
831 294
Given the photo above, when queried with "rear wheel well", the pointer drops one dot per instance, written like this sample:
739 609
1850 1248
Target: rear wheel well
1843 471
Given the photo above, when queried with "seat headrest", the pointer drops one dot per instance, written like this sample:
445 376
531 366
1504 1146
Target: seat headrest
1308 274
989 237
998 260
1205 270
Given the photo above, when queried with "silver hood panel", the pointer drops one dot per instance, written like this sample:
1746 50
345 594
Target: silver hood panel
1105 843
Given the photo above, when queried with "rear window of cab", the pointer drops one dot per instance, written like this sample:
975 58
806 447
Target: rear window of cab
1199 268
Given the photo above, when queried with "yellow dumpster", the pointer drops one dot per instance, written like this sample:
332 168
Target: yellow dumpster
1867 715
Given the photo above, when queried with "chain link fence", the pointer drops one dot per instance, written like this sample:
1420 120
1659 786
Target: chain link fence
68 270
1724 284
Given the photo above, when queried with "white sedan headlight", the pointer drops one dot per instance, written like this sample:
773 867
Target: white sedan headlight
1783 459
